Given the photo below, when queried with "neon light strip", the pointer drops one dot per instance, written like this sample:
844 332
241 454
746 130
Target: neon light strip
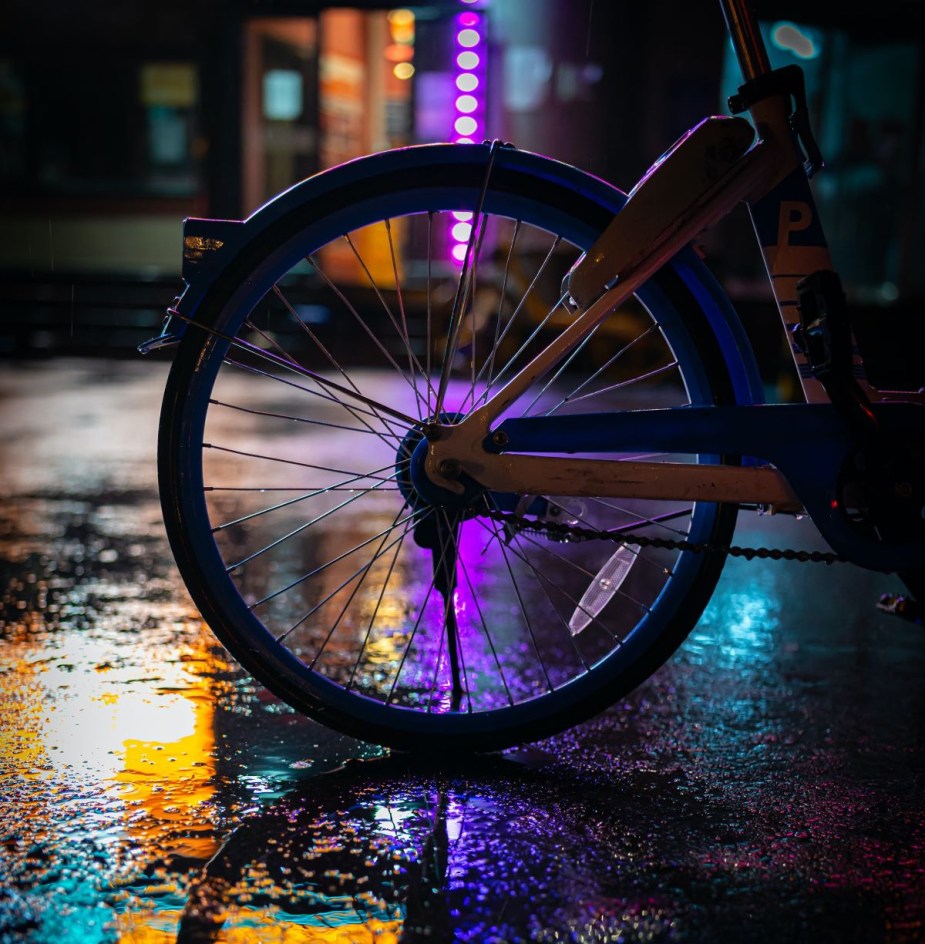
469 104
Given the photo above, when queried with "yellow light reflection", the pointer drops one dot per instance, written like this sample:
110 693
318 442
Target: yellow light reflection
126 723
247 925
18 735
169 778
267 926
104 717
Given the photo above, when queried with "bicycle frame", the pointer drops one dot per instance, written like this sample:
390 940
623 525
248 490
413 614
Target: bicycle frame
687 190
790 457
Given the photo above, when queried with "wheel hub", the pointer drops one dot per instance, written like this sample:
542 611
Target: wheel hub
416 485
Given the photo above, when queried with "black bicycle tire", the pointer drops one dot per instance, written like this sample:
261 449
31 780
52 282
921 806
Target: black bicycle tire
176 453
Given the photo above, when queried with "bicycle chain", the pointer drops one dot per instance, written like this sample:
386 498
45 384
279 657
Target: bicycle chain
558 531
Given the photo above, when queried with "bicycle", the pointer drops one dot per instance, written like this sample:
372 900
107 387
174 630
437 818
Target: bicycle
413 498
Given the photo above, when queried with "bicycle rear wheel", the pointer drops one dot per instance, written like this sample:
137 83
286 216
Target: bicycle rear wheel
291 415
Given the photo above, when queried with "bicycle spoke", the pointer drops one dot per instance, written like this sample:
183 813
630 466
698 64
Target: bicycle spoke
296 368
484 628
542 577
303 465
429 314
520 307
318 344
642 521
369 628
560 371
413 363
414 367
571 397
622 384
309 420
463 287
299 530
446 566
586 523
573 565
352 408
493 382
341 486
406 377
385 532
414 631
489 365
528 624
258 489
361 573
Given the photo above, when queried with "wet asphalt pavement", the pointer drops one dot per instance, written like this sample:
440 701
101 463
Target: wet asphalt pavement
768 784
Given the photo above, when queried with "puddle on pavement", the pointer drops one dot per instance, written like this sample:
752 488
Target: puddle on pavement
150 792
491 851
122 763
153 793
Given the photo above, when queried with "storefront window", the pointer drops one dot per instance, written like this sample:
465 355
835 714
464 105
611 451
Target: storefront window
95 127
279 143
169 95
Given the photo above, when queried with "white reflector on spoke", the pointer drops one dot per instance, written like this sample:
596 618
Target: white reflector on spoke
602 588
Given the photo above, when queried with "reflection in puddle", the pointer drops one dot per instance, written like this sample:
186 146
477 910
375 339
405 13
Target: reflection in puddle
768 778
107 688
391 850
122 761
740 625
109 763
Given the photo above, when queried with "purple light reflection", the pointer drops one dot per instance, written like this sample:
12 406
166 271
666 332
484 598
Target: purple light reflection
498 661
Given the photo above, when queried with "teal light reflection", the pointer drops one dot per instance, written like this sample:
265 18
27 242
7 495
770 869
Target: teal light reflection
738 625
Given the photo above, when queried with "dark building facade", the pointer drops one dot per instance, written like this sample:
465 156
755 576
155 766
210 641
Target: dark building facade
117 120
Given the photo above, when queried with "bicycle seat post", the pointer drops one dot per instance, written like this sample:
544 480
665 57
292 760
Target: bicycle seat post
746 38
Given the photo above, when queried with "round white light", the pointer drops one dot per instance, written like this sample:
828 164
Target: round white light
465 125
